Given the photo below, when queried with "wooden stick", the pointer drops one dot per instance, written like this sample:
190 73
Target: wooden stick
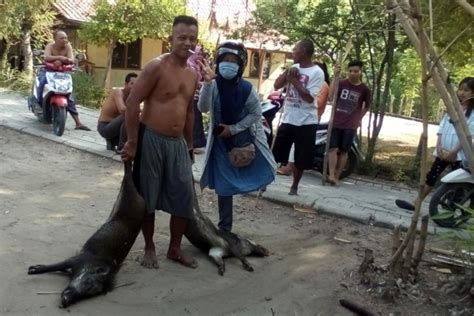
421 244
421 51
124 284
396 238
333 98
356 308
469 8
395 269
368 260
448 47
407 263
442 251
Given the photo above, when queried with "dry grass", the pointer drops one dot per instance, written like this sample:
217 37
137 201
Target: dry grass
395 160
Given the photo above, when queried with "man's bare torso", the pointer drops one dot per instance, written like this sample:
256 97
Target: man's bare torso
166 106
109 109
58 51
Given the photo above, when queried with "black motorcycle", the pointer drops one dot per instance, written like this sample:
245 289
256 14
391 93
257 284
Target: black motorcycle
269 110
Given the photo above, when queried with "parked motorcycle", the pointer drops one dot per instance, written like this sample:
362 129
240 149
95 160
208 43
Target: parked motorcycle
452 202
56 93
354 155
269 110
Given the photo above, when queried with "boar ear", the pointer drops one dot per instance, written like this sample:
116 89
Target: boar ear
103 270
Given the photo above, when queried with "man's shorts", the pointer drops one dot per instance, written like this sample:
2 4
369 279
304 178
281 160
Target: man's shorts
165 173
303 137
342 138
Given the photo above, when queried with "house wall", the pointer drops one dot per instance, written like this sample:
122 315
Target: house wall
152 48
98 55
277 62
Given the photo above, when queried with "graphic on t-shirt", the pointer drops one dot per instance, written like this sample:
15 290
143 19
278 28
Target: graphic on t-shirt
348 101
293 97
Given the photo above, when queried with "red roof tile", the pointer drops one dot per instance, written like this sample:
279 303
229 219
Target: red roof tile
74 10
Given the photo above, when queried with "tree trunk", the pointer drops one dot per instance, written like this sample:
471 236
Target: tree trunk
26 50
422 52
108 68
382 98
4 57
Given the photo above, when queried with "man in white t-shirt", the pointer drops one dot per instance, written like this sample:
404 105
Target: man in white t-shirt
304 80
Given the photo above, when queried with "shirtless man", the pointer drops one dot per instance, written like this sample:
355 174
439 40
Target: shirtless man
162 144
59 53
111 118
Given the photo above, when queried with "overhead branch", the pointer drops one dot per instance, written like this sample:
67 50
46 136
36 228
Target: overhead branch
449 46
469 8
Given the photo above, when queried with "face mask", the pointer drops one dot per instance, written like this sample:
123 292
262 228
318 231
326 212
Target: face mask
228 70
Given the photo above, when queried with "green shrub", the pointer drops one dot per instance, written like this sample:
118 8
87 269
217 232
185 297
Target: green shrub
86 90
15 80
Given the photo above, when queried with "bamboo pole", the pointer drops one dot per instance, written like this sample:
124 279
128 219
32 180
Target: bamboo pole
421 244
333 98
440 79
469 8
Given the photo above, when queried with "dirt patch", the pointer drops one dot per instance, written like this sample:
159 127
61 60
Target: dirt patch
52 198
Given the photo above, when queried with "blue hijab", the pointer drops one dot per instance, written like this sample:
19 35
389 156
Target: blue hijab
233 94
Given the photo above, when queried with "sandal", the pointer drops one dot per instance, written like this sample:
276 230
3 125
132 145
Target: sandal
405 205
83 127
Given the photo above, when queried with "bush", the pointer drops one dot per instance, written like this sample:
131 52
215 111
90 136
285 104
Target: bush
15 80
86 90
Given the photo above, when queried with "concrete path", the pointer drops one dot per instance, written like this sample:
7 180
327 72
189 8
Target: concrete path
361 199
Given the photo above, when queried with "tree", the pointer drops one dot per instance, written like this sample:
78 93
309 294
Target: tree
22 21
330 24
126 21
374 31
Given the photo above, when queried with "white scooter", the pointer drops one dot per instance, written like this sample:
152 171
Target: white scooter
453 201
56 93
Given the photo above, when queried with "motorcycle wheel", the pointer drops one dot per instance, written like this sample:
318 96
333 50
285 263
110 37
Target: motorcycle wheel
59 120
447 198
351 164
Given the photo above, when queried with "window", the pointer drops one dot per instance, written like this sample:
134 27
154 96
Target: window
127 55
255 64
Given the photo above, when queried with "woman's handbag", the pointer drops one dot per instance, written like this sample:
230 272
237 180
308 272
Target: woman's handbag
242 156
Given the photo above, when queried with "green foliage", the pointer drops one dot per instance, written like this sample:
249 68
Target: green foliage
19 16
449 19
128 20
87 91
15 80
326 22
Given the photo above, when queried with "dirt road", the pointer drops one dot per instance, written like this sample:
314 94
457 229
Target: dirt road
52 198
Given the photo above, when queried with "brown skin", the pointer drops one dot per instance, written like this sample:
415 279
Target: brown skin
290 76
60 53
167 86
114 105
337 162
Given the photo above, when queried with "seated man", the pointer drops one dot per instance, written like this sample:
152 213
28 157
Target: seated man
110 125
59 53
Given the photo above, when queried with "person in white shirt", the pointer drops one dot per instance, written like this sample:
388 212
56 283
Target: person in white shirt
299 121
448 148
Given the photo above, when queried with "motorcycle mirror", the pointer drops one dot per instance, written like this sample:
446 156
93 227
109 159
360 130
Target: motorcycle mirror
80 56
38 52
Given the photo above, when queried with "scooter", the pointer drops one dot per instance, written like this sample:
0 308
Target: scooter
56 94
354 155
269 110
452 202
